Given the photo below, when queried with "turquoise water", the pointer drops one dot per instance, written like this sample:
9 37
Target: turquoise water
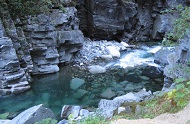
54 90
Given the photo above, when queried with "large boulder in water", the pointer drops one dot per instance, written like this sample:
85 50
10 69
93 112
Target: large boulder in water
32 115
95 69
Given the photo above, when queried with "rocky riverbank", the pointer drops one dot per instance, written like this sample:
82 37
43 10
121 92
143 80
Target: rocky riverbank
44 41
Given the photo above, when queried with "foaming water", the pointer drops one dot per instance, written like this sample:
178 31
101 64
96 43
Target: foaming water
137 57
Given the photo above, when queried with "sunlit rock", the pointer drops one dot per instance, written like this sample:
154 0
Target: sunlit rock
95 69
32 115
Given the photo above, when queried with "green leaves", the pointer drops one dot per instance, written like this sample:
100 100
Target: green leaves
180 86
179 80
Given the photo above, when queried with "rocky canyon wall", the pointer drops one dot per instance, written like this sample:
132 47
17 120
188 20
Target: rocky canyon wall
38 44
125 20
35 45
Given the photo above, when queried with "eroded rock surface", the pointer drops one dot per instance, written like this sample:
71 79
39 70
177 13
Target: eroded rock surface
35 45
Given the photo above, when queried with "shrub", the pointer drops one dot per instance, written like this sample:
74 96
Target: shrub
181 26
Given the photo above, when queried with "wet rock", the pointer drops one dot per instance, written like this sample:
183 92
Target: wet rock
32 115
76 83
152 72
96 69
108 94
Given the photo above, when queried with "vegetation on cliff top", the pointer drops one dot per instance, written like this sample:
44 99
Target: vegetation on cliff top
32 7
181 25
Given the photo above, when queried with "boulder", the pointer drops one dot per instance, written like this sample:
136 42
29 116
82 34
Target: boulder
107 107
112 50
108 94
76 83
84 113
96 69
80 94
32 115
68 110
4 121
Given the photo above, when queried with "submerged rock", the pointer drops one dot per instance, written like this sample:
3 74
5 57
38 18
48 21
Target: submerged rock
108 94
80 93
76 83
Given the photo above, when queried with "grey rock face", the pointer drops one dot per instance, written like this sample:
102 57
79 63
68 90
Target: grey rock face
162 54
162 24
32 115
38 44
53 40
104 17
179 60
119 19
12 77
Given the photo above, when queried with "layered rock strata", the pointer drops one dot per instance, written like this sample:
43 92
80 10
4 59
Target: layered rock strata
35 45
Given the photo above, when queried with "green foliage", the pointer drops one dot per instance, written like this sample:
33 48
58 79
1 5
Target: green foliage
179 96
97 119
47 121
71 119
172 101
181 26
32 7
4 116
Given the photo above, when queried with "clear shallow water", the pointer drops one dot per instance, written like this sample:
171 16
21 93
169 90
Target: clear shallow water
54 90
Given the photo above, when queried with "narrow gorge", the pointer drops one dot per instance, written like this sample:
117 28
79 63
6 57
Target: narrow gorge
87 53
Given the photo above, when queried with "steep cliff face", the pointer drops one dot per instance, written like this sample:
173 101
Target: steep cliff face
127 20
35 45
179 60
